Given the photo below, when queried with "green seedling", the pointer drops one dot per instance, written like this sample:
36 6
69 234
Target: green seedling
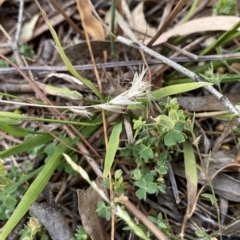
225 7
81 234
32 230
213 78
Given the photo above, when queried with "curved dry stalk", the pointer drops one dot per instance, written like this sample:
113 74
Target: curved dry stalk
84 67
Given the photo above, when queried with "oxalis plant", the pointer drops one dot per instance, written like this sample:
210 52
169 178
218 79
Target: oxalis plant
155 141
153 145
152 148
168 127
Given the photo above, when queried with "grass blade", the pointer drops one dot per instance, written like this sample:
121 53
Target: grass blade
65 58
27 145
191 175
225 37
176 89
35 189
112 148
13 130
170 90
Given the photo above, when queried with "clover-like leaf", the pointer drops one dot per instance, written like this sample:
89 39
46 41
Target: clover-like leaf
146 152
151 187
141 184
141 194
173 137
10 201
179 126
136 174
148 177
103 210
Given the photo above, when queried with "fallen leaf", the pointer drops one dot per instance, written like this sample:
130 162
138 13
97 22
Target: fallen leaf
87 205
48 215
217 23
205 103
221 159
223 185
233 228
140 23
127 13
92 26
125 26
223 205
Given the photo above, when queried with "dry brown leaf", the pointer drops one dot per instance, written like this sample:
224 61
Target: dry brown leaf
93 27
140 23
125 26
217 23
221 159
127 13
223 205
87 205
206 103
233 228
223 185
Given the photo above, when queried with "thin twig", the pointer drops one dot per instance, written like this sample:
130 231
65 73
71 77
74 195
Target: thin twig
67 18
174 184
172 15
17 34
188 47
223 100
84 67
19 22
141 217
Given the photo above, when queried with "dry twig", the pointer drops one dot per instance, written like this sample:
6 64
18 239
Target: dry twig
224 100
